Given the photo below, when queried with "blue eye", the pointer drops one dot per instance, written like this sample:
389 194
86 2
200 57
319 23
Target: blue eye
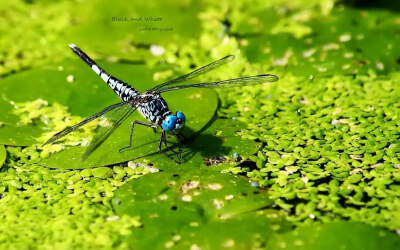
169 122
181 116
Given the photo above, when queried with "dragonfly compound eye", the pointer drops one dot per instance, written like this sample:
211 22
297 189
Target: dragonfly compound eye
181 116
169 122
180 122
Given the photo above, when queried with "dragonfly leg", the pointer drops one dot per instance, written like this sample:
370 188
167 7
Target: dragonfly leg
132 129
163 139
168 148
160 142
180 138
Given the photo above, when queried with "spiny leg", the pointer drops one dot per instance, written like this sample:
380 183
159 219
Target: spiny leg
180 138
179 161
163 139
132 129
179 146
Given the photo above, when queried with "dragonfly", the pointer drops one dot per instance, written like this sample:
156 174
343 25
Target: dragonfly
151 104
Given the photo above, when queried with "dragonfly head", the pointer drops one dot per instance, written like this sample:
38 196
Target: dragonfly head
174 122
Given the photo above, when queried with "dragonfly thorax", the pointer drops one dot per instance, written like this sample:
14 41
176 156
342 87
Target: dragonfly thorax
152 107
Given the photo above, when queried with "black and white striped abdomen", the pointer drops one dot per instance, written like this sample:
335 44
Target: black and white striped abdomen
154 110
122 89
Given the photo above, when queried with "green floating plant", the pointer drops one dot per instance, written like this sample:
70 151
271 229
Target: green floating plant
338 235
323 38
70 208
197 207
328 130
29 41
330 146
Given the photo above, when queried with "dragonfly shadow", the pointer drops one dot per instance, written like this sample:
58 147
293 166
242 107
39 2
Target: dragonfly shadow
206 145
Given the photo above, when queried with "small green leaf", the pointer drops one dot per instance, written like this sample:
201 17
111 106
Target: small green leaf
102 172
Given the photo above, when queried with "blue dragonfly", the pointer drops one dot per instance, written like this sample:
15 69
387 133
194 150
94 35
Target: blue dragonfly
150 104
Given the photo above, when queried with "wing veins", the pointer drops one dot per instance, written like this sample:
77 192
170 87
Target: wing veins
100 138
241 81
197 72
70 129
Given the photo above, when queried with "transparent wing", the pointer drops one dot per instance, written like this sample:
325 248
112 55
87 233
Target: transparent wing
242 81
196 72
114 119
70 129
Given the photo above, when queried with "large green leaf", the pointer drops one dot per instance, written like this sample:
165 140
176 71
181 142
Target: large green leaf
202 207
340 235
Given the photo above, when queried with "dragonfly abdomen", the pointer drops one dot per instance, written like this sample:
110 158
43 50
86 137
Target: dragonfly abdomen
122 89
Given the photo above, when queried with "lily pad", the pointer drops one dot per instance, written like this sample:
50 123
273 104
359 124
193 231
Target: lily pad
196 207
75 86
3 155
339 235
